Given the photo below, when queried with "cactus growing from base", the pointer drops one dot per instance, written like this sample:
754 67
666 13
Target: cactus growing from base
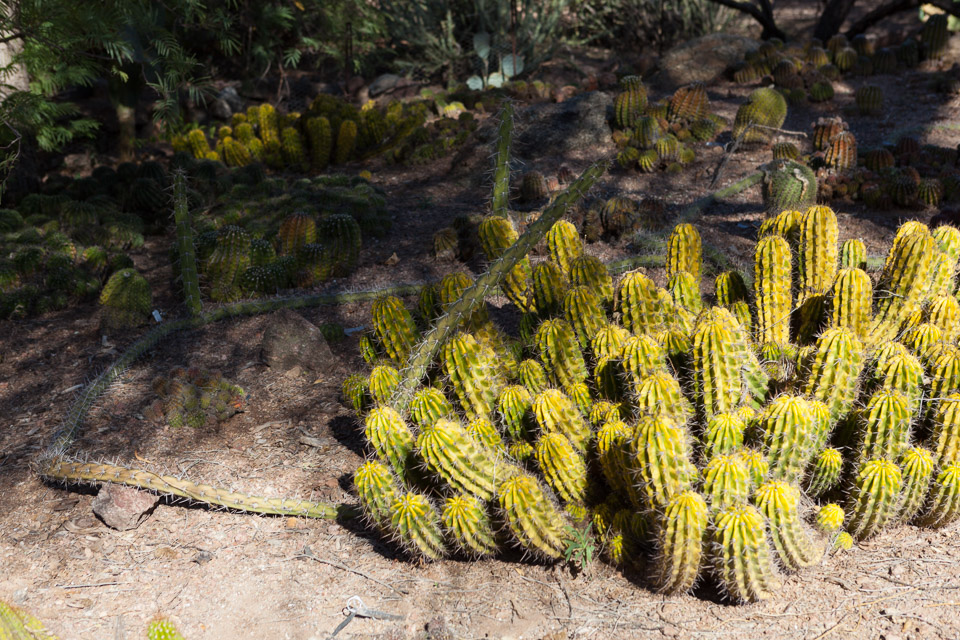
779 502
741 554
465 518
873 502
126 299
680 539
532 519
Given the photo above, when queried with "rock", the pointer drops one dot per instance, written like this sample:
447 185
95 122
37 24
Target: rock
220 109
291 341
703 59
572 125
383 84
123 508
232 98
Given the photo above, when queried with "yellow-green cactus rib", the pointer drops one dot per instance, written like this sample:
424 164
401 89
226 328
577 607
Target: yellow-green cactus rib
533 520
466 521
827 467
639 303
903 283
532 376
486 433
641 356
835 371
415 524
726 481
497 234
818 250
390 437
564 245
608 341
612 443
850 301
917 465
555 412
449 451
473 375
730 288
945 440
723 434
563 466
17 624
580 394
772 284
944 369
943 502
549 285
922 338
884 426
451 289
684 251
741 554
394 327
788 432
126 299
604 411
680 538
779 502
582 310
377 488
630 102
765 108
356 391
608 379
661 460
853 254
515 407
685 291
589 271
660 394
161 630
560 353
897 369
785 224
873 501
429 405
944 313
383 382
716 367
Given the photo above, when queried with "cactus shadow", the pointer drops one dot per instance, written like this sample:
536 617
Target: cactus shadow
347 433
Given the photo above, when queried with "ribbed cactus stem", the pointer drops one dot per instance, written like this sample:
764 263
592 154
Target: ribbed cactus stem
680 541
917 466
186 253
533 520
772 283
741 554
779 503
873 502
501 166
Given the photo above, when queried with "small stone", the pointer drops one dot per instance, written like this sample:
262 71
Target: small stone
290 340
123 508
220 109
383 84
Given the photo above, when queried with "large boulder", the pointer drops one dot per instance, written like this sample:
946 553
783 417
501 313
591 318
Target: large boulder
703 59
293 343
574 125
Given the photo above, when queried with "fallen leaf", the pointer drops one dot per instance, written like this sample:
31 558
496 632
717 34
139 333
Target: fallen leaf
392 260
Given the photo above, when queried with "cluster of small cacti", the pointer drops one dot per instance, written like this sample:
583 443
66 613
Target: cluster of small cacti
17 624
806 70
687 433
189 396
658 135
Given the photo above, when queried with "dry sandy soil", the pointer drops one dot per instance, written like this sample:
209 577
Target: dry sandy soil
227 575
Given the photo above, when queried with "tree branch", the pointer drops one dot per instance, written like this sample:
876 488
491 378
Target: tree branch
832 18
896 6
762 14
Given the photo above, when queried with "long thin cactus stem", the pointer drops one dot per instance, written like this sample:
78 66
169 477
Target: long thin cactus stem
501 169
185 249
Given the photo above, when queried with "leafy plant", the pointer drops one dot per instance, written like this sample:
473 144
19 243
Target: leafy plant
580 547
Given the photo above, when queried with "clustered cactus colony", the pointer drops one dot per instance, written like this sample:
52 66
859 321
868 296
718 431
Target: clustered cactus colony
690 433
188 395
17 624
654 136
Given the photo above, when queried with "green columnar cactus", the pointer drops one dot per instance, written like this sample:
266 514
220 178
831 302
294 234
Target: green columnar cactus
772 282
850 301
818 250
826 472
612 445
582 309
764 110
639 303
924 339
641 356
126 299
296 230
465 518
943 502
390 437
320 141
356 391
486 433
894 367
944 368
429 405
415 524
377 488
589 271
225 266
497 234
741 554
564 245
903 282
785 224
186 252
661 463
944 313
787 186
549 285
555 412
346 142
683 527
945 440
917 465
726 481
473 375
688 104
716 367
841 153
869 99
608 379
383 383
560 353
884 426
450 290
160 629
630 102
368 349
532 375
659 393
340 235
935 36
873 501
17 624
608 341
465 464
515 406
834 373
685 291
291 144
723 435
394 327
757 465
684 251
533 520
788 432
730 288
830 518
563 466
778 502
